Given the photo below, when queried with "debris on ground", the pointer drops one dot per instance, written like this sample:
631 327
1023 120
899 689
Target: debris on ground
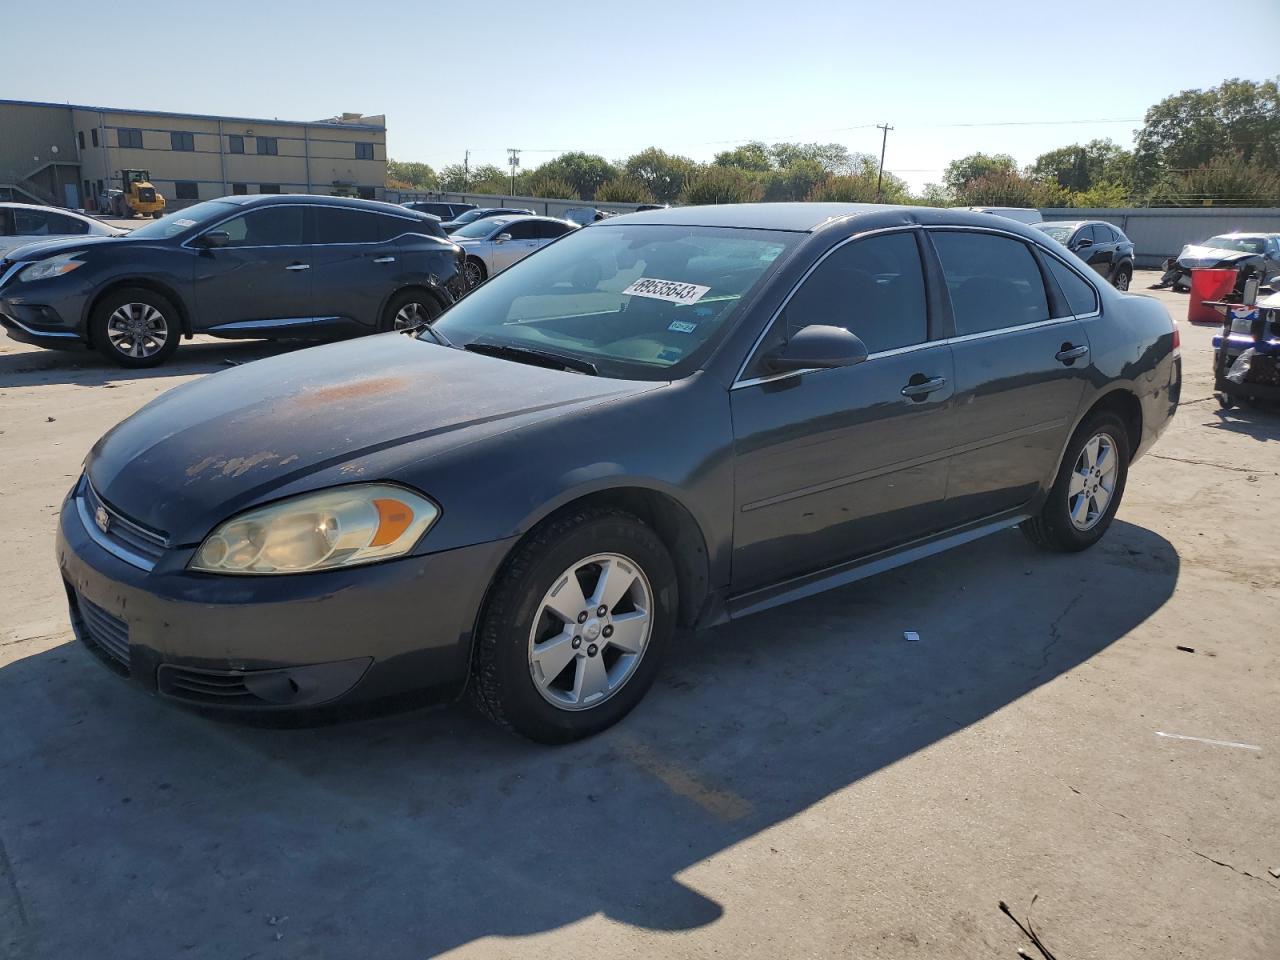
1028 930
1275 872
1186 649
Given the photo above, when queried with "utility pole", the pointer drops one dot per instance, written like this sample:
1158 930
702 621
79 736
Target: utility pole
513 158
884 142
466 170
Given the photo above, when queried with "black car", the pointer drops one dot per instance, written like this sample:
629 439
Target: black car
438 208
1102 246
1249 254
665 420
481 213
296 266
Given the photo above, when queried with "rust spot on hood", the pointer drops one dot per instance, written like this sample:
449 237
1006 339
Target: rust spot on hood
237 466
354 390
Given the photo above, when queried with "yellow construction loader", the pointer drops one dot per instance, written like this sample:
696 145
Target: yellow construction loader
138 196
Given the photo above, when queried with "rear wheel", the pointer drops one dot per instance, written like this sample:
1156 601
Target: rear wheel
1088 488
1123 276
575 626
135 327
409 310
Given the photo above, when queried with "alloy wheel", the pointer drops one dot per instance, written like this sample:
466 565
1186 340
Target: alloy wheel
137 330
1093 482
473 273
412 314
1122 281
590 632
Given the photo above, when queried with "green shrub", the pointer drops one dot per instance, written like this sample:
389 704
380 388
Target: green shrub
551 188
721 185
624 189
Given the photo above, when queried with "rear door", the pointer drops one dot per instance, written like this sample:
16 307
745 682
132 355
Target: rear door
262 274
835 464
355 262
1021 364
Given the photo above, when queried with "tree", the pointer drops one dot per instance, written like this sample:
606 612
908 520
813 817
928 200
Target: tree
551 188
1103 194
721 184
1008 188
417 176
624 189
663 174
936 195
1190 129
453 178
793 182
960 173
861 188
753 156
583 171
831 157
1077 167
1225 181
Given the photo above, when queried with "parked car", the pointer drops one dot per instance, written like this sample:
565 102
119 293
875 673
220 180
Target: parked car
438 208
494 243
23 223
1101 245
665 420
264 266
1249 254
481 213
1027 215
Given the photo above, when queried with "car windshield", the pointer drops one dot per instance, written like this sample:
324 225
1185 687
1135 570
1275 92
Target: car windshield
1243 244
639 301
186 219
469 216
1059 232
479 228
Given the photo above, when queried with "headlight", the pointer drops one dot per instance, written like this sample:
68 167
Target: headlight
341 527
53 267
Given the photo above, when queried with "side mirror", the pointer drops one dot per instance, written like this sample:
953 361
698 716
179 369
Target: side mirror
818 347
1082 243
214 238
502 238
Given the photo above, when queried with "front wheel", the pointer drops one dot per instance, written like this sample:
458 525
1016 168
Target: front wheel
574 629
1087 490
135 327
474 271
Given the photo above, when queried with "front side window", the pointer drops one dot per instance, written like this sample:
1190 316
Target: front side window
993 280
640 301
1079 293
30 223
235 144
872 287
344 225
268 146
266 227
64 225
182 141
523 230
182 221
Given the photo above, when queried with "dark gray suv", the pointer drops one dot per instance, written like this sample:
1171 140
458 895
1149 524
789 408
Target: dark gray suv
665 420
267 266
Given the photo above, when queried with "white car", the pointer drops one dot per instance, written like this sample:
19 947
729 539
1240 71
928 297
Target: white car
23 223
495 243
1027 215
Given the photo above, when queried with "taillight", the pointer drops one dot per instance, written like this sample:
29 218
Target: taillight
1177 337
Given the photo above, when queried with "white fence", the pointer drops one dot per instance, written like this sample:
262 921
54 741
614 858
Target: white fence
541 205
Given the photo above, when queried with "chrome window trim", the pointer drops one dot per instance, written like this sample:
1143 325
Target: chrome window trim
269 324
240 212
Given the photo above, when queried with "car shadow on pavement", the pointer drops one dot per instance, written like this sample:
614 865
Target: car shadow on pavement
86 368
1262 422
132 822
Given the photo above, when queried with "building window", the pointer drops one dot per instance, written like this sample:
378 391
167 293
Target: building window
80 138
364 151
236 144
186 190
182 141
88 193
239 189
365 193
268 147
268 188
130 138
99 186
94 135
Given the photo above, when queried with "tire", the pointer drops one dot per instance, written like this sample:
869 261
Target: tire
520 637
1122 278
408 309
141 309
156 215
475 272
1054 528
1225 400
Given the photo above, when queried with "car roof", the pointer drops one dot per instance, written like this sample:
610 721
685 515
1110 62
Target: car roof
1239 235
260 199
14 204
1063 223
808 217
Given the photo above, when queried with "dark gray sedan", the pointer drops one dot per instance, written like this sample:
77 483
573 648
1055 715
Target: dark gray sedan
666 420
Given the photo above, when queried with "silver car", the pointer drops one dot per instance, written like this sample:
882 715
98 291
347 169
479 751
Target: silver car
22 223
495 243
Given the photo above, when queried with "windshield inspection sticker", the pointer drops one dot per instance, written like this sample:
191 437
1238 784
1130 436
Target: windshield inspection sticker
184 223
669 290
682 326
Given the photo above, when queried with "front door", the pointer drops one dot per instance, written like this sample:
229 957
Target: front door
835 464
263 274
1021 364
525 239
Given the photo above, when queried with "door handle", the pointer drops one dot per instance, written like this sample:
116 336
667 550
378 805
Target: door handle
298 266
922 389
1068 353
384 260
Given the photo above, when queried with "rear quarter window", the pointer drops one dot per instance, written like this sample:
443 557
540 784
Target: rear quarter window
1079 293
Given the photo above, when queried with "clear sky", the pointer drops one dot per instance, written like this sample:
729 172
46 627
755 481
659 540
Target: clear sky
692 77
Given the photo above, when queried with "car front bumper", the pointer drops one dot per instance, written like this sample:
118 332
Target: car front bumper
276 643
45 313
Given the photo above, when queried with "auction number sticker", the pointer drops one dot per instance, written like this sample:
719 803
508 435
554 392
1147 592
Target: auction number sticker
670 290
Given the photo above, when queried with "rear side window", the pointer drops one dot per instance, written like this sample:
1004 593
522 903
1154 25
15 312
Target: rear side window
872 287
549 230
267 227
1080 296
343 225
993 280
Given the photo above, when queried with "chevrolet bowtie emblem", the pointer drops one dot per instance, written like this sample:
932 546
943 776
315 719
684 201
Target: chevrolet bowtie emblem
102 519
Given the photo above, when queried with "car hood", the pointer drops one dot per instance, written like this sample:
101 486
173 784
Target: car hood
40 249
1196 255
357 410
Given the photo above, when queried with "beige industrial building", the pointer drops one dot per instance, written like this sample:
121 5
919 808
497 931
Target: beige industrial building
67 154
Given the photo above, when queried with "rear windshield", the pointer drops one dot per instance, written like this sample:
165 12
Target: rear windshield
640 301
